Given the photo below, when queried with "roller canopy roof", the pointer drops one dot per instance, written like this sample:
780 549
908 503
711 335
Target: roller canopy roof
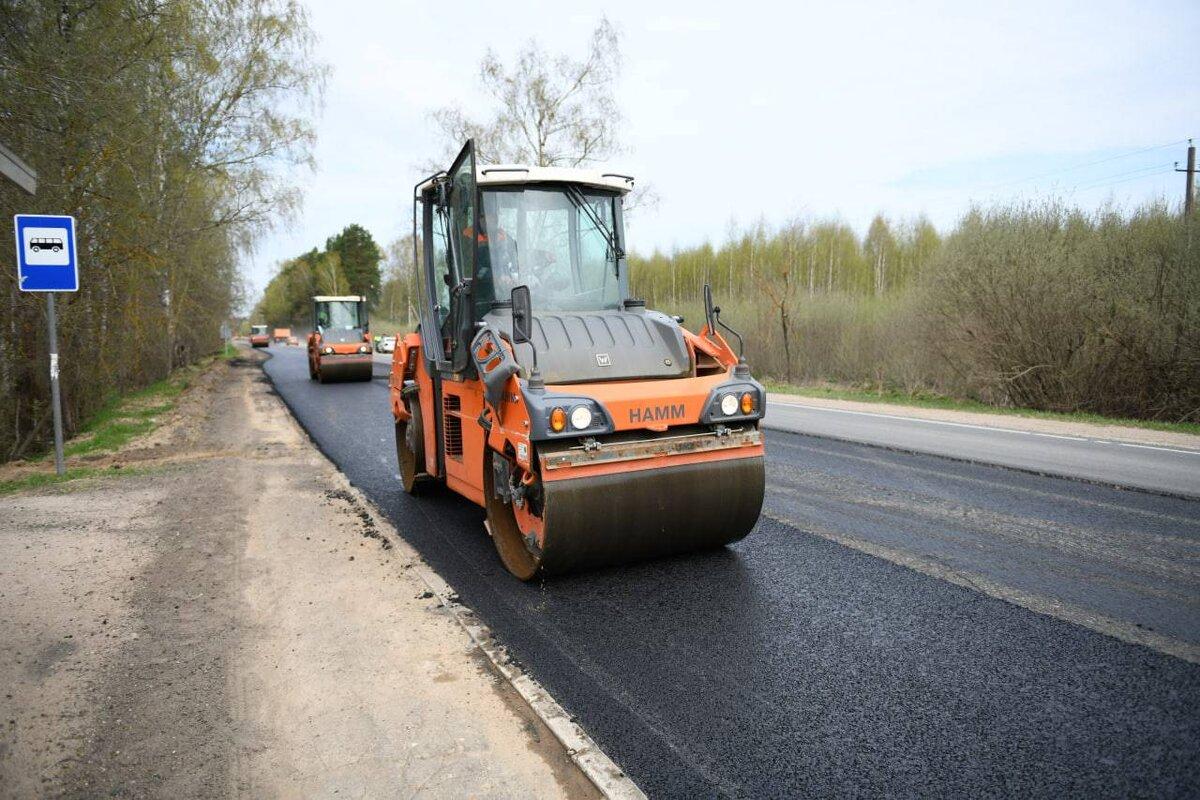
325 298
517 174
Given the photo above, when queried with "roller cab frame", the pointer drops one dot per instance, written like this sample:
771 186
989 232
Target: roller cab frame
593 430
339 346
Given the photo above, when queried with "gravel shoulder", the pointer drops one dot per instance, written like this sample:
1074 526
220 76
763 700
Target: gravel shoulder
233 621
1119 433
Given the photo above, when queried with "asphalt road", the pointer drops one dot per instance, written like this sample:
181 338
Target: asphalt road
796 664
1171 470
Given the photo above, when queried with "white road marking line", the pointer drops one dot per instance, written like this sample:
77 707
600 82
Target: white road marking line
784 405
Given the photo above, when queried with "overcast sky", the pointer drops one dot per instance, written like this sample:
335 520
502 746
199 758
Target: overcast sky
747 110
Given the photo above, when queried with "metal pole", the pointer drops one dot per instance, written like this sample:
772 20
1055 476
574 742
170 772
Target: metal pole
54 396
1188 198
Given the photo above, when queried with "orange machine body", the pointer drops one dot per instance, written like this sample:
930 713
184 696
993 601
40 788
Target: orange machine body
653 406
593 430
345 354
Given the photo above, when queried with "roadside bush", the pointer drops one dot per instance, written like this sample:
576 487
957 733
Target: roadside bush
1037 306
1051 308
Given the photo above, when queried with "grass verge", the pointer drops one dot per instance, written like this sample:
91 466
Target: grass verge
930 400
40 479
125 417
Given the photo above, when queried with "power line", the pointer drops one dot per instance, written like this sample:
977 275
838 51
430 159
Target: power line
1102 184
948 196
1085 164
1092 182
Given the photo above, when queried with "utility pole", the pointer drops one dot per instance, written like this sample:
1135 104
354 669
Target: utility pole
1190 190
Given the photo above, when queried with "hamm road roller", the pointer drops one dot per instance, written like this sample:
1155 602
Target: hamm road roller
339 347
592 429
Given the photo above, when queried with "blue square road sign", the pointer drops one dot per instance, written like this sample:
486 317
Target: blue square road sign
46 258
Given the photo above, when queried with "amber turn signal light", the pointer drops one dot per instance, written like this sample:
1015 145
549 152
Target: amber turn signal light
558 420
747 403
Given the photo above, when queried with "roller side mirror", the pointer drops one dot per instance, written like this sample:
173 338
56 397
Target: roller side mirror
522 315
522 331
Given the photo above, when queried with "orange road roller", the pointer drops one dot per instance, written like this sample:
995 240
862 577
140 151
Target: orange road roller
339 347
592 429
259 336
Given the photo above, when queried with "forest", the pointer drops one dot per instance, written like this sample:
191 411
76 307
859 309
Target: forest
173 132
1037 305
347 265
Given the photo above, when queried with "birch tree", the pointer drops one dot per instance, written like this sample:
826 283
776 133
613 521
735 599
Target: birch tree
547 110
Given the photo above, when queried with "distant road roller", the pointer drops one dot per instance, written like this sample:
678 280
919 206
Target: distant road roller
339 347
593 430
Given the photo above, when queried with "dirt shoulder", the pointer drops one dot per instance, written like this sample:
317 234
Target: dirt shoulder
1120 433
232 621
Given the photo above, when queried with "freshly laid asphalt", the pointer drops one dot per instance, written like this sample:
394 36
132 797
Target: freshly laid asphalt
791 665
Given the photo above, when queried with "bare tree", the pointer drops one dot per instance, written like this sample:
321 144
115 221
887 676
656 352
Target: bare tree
550 110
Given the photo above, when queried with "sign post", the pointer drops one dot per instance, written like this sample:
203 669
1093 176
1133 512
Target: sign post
47 262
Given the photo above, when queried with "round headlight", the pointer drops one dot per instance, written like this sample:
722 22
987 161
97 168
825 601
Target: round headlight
558 420
729 405
328 351
581 417
364 349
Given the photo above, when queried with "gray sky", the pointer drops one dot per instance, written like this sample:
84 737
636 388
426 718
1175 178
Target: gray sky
749 110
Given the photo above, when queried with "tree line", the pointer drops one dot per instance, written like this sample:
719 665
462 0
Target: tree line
171 131
1035 305
349 264
801 257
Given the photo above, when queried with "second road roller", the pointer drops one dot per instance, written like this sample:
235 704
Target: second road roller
339 346
592 429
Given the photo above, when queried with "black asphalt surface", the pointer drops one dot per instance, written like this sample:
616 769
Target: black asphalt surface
790 666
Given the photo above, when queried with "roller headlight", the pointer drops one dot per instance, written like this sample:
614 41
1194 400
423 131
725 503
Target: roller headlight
581 418
328 351
362 348
729 405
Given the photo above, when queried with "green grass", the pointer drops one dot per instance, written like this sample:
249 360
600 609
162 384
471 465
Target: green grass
124 417
40 479
931 400
110 437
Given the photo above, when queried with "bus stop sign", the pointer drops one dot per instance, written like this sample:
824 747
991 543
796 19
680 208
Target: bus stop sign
46 260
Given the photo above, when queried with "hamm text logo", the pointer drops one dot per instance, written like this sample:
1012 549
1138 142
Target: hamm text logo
656 413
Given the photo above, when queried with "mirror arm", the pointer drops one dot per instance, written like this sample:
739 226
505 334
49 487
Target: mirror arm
709 317
741 343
